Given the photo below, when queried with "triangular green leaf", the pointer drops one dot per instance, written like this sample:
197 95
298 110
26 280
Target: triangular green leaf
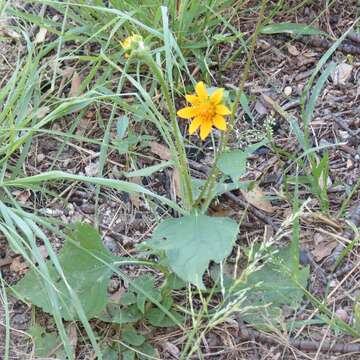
114 313
271 287
191 242
147 284
233 163
81 260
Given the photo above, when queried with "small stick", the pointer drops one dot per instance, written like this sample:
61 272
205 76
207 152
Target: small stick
259 214
303 345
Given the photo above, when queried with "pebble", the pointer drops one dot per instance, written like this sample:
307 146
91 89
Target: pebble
110 244
113 286
288 90
20 320
88 208
342 314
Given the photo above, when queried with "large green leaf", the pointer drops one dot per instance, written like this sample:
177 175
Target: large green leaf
46 344
191 242
82 260
291 28
272 287
233 163
147 284
220 188
117 314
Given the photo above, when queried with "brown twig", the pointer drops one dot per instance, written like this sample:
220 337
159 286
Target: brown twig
353 36
346 47
304 345
259 214
355 219
6 261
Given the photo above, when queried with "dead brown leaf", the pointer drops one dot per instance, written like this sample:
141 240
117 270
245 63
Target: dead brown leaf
75 85
42 111
40 36
72 334
293 50
135 197
83 125
170 348
256 197
175 182
160 150
323 246
19 265
341 74
10 33
22 196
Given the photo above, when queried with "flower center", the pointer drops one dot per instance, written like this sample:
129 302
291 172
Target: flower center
207 110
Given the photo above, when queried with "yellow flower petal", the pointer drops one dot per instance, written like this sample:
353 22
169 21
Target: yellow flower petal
216 96
192 99
187 112
195 125
219 122
222 110
205 129
201 91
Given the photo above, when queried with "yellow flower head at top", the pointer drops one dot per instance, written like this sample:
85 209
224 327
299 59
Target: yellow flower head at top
206 111
133 42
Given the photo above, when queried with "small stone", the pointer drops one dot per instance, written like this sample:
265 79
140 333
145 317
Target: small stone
288 90
110 244
88 208
342 315
92 169
40 158
113 286
20 320
349 164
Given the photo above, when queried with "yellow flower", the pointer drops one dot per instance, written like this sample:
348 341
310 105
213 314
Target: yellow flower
206 111
132 42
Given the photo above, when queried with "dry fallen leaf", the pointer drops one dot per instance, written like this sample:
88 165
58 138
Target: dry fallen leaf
42 112
341 74
323 246
10 33
19 265
22 196
40 36
175 182
116 296
75 85
170 348
260 108
83 125
135 197
293 50
72 335
256 197
92 169
160 150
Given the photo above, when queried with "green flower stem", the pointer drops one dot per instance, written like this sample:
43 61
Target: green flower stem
181 156
211 181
